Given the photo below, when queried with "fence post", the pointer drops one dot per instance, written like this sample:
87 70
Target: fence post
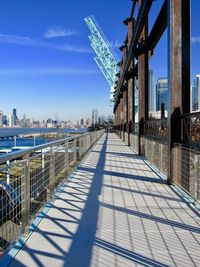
196 177
52 171
75 152
25 194
66 155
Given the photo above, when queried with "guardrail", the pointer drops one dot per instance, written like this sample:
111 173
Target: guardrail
28 179
156 129
191 129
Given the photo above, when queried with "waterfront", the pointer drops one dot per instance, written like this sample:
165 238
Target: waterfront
7 135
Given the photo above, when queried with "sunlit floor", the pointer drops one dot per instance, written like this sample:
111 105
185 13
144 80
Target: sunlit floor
116 211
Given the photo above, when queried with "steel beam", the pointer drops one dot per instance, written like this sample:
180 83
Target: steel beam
141 20
178 71
156 33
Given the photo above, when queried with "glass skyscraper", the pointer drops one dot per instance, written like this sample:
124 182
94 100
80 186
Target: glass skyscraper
162 93
151 91
196 93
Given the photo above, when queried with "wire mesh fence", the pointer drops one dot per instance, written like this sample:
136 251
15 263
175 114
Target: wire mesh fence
157 153
29 178
186 169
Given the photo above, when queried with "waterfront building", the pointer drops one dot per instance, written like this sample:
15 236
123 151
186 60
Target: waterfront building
5 120
162 93
11 121
196 93
81 122
15 119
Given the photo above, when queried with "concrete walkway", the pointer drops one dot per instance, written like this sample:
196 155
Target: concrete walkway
116 211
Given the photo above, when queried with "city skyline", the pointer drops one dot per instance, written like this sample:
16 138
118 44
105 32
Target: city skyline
47 67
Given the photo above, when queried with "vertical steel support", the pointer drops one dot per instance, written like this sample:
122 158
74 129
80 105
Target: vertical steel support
143 79
75 151
121 117
25 194
52 171
178 71
124 114
66 155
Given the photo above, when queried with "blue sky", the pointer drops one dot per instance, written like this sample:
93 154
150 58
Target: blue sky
46 63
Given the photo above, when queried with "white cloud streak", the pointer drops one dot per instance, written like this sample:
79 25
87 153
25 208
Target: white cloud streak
55 32
47 72
195 39
115 44
26 41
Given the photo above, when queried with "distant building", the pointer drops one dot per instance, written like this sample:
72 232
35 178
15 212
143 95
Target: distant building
15 119
24 121
94 118
162 93
1 118
5 120
11 121
81 122
196 93
152 91
89 122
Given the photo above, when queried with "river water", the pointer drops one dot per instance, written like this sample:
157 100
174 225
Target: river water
7 136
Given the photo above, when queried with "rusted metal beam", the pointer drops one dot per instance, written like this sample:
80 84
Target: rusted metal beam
179 71
142 16
133 8
143 79
156 33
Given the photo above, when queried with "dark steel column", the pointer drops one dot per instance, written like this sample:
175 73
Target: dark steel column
143 72
130 22
178 71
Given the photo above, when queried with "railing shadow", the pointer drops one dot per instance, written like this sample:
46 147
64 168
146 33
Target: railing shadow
80 208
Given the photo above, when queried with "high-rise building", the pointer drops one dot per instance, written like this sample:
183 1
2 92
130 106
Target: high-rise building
24 121
81 121
5 120
162 93
94 118
152 92
15 117
11 121
1 118
196 93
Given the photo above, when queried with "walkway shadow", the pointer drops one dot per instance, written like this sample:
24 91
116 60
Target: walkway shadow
130 255
81 248
129 176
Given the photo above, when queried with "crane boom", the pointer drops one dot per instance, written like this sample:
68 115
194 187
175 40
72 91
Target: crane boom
105 58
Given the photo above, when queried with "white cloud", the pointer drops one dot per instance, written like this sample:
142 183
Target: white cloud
115 44
56 31
46 72
21 40
195 39
15 39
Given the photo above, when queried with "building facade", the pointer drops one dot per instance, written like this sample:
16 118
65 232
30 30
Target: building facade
151 91
162 93
196 93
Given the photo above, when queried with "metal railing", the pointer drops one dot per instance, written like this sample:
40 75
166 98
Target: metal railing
156 129
186 169
28 179
191 128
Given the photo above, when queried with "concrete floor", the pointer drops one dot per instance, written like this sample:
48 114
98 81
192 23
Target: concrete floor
116 211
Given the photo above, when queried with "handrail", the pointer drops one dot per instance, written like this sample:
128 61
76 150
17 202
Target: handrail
29 178
21 153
